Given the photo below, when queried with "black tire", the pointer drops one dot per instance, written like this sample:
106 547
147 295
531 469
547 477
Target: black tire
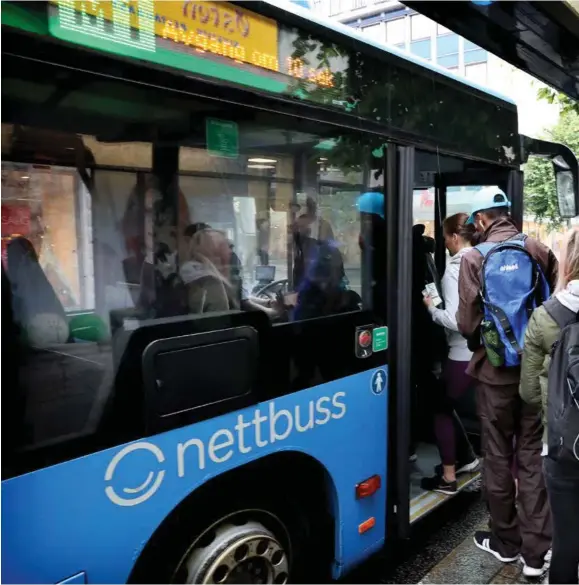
281 514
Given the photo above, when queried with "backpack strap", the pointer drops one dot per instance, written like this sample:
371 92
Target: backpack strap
506 325
484 248
562 315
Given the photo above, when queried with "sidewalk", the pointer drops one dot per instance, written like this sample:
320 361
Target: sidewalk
468 564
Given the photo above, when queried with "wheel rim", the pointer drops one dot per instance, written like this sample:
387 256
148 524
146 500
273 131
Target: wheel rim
235 553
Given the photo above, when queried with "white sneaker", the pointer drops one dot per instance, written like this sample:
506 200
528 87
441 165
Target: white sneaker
529 571
469 467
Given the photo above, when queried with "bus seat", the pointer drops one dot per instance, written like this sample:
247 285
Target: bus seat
32 293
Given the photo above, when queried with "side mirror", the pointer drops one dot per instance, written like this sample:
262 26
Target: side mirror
567 187
566 171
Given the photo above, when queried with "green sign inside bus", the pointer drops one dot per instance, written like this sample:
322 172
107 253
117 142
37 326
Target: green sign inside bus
222 138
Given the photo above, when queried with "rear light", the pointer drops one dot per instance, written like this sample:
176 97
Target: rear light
367 525
368 487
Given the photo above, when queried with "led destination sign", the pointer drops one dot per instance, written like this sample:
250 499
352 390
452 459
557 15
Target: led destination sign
199 30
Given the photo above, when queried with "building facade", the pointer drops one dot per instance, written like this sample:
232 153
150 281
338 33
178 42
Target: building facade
394 24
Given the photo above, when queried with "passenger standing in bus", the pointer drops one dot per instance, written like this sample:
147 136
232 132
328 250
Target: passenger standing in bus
561 466
510 428
456 452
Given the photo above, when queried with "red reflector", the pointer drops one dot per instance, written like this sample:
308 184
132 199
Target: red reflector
367 525
368 487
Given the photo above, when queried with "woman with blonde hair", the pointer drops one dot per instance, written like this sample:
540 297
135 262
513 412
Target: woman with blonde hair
206 272
561 471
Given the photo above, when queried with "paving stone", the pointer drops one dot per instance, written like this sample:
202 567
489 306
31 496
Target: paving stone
512 571
498 578
465 564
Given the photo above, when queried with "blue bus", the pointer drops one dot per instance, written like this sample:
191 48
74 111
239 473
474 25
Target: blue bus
207 219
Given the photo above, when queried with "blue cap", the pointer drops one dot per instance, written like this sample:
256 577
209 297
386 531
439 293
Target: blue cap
487 198
371 202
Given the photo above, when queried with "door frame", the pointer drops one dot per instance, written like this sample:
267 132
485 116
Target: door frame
399 198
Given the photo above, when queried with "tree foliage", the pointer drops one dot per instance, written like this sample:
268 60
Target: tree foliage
398 98
565 103
540 191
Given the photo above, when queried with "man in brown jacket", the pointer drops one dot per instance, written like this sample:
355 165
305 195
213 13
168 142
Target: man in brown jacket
510 428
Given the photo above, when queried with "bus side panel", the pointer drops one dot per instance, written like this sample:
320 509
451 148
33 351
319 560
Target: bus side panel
96 513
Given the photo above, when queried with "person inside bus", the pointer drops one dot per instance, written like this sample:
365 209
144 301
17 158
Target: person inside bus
428 342
307 231
205 273
152 250
323 289
456 453
372 242
312 224
232 269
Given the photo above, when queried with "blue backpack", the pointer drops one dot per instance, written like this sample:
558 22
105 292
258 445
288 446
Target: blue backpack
512 287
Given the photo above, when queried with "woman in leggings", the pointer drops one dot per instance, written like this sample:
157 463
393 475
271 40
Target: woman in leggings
458 238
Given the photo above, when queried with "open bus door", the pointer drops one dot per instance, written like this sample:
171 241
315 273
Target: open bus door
453 194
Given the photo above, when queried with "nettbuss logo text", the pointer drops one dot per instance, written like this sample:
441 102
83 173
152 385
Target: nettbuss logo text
267 426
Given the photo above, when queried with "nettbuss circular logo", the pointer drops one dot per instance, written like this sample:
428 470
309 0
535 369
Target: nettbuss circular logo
129 464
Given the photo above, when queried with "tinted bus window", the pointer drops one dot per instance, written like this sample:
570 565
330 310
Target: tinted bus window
124 204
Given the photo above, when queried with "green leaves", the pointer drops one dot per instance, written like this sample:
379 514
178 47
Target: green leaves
567 104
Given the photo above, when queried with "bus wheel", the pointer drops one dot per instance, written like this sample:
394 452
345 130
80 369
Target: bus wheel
235 550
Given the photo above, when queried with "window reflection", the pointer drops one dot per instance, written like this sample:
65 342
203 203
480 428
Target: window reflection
104 235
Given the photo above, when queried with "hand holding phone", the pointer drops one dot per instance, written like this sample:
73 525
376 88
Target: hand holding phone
431 292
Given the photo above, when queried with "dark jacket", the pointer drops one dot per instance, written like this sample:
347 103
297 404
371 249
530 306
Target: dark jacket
470 314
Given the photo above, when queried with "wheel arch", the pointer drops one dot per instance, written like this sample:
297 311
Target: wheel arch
292 474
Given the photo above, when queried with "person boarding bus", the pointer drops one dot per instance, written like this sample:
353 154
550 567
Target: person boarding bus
455 449
501 280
